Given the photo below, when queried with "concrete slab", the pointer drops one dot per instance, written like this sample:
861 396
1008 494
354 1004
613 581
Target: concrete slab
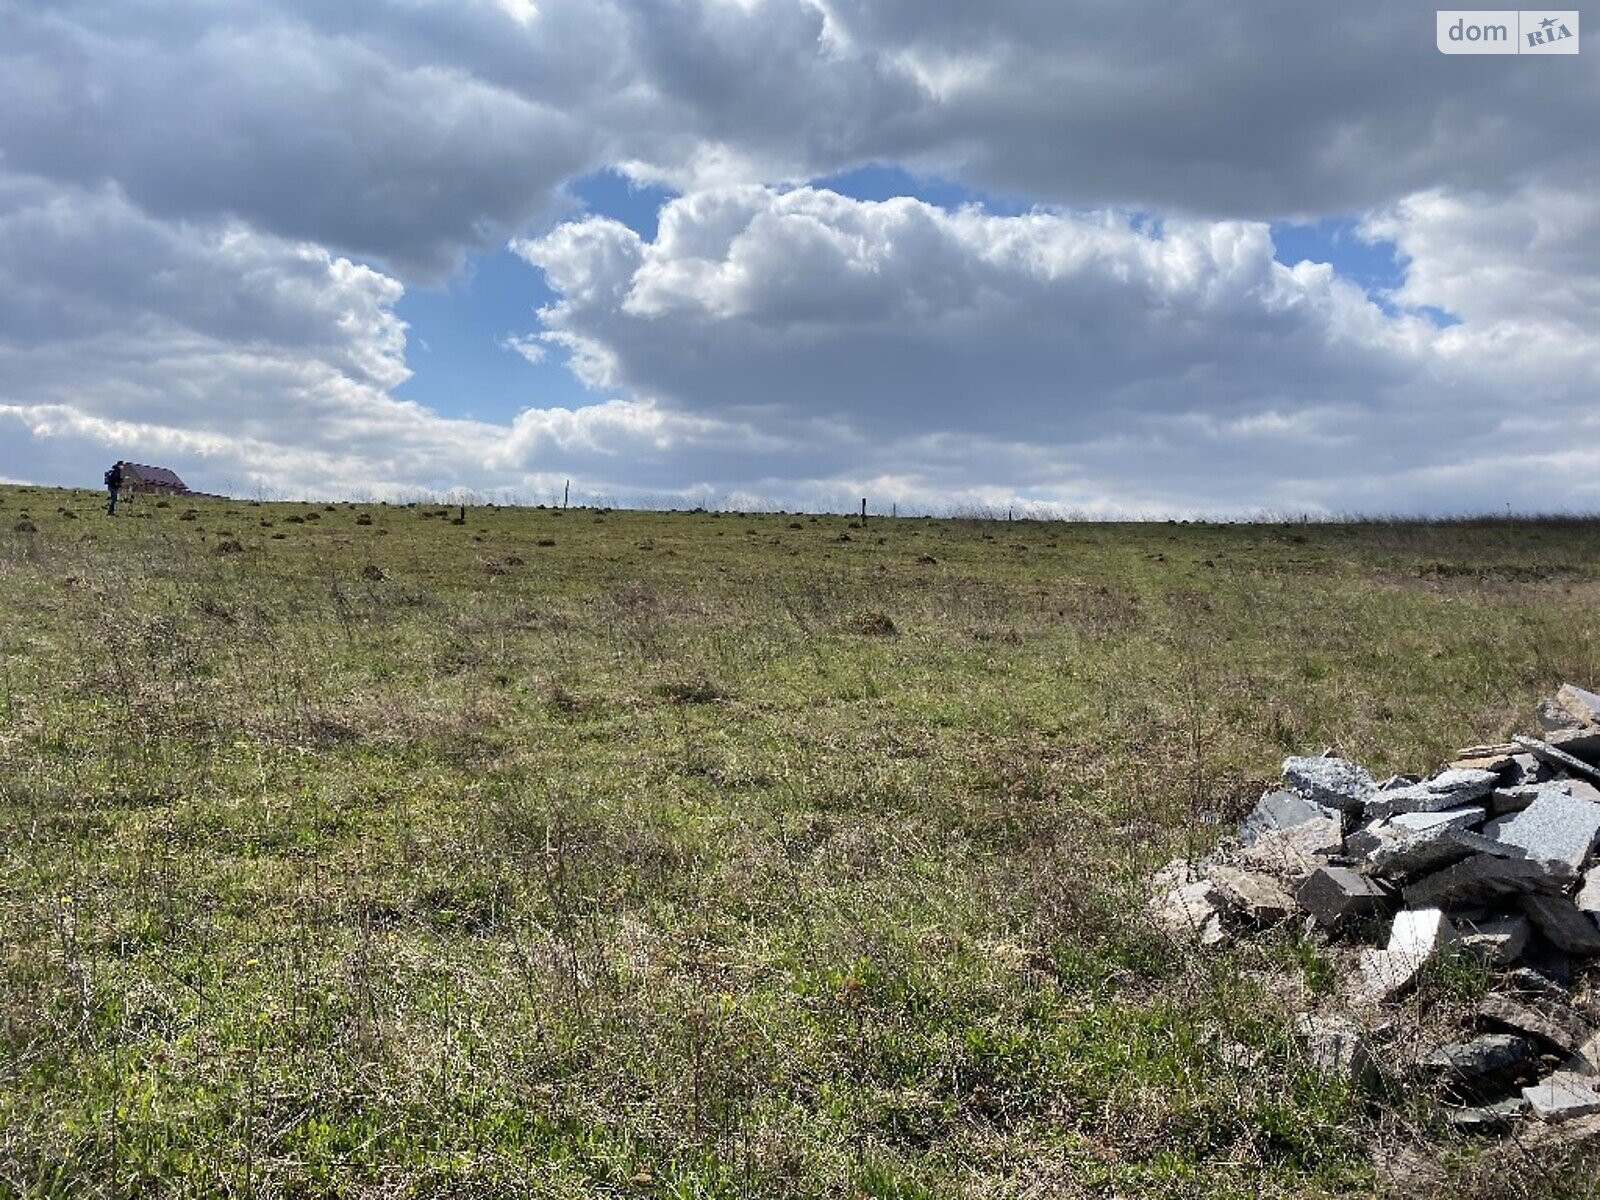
1191 910
1256 897
1337 1047
1282 853
1588 895
1562 1096
1499 940
1416 936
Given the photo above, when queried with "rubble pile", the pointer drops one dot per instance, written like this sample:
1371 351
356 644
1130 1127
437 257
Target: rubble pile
1494 857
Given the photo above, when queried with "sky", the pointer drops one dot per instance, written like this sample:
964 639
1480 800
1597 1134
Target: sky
1137 259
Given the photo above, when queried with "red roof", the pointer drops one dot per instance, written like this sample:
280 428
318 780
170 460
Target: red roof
158 476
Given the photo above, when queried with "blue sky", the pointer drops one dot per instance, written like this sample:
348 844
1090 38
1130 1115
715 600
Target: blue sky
456 343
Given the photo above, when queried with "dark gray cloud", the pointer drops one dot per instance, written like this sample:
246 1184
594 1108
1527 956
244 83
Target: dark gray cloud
258 115
411 132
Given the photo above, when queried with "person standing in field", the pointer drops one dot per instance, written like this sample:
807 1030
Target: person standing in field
113 486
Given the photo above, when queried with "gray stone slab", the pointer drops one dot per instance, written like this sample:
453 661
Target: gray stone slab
1448 789
1335 896
1489 1062
1554 717
1586 1058
1555 827
1556 757
1514 799
1530 981
1332 781
1525 768
1549 1020
1563 924
1284 809
1452 818
1432 850
1487 1118
1370 837
1493 826
1583 790
1484 877
1562 1096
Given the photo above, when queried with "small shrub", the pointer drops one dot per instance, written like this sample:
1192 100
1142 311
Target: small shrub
873 624
691 691
562 700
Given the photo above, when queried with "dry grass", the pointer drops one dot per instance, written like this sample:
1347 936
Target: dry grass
538 855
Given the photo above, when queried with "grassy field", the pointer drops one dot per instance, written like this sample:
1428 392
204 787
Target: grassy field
355 851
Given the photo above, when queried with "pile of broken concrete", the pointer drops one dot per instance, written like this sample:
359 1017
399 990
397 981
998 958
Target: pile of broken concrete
1493 856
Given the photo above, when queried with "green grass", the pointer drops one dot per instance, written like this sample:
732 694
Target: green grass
696 855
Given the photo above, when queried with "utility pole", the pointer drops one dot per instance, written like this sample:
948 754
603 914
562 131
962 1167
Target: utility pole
566 493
